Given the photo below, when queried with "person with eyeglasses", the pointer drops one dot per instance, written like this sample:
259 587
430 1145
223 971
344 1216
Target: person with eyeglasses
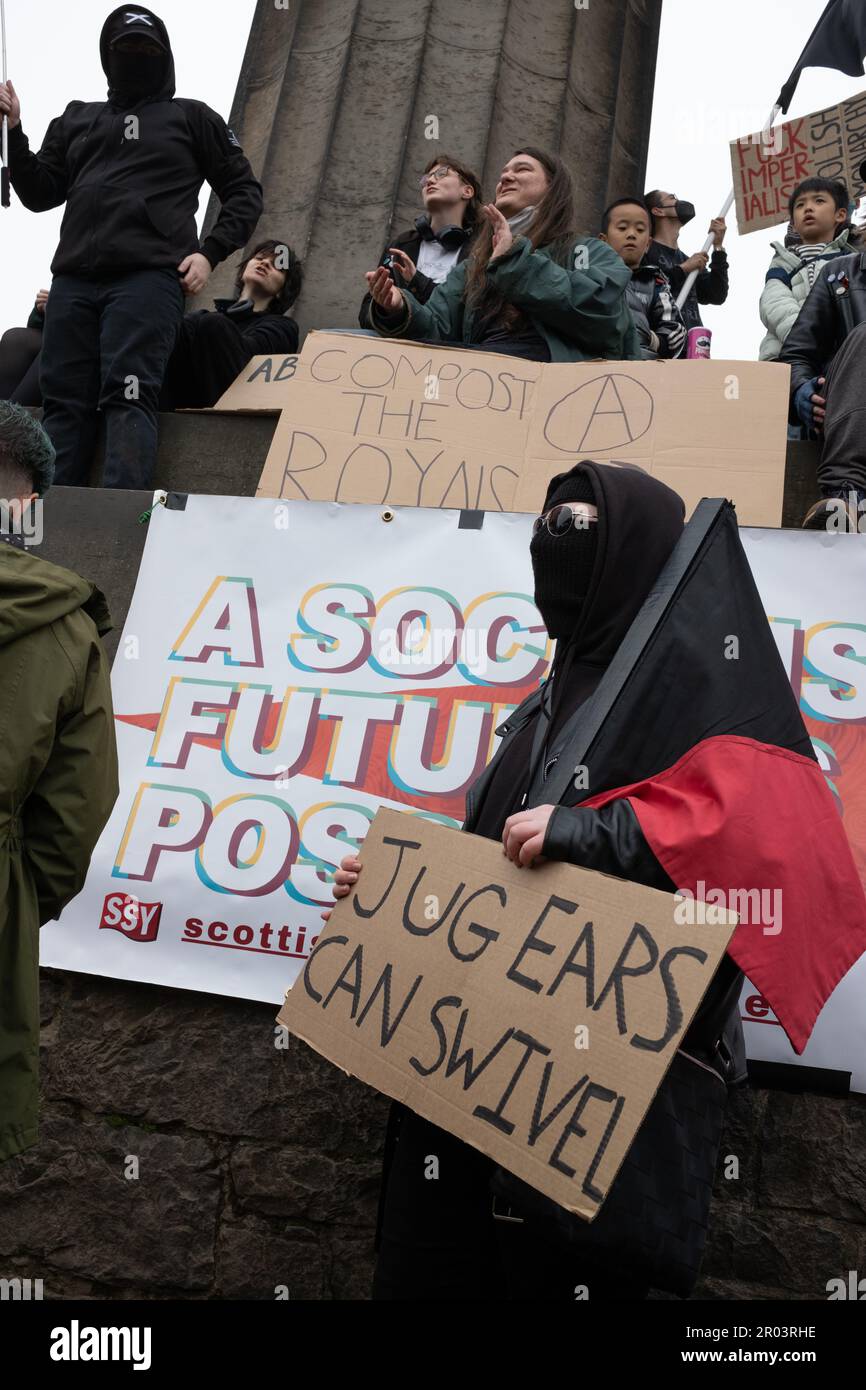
531 286
597 549
420 258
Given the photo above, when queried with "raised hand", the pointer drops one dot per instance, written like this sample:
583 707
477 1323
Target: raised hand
502 238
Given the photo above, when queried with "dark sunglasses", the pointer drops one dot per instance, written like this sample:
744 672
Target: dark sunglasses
560 519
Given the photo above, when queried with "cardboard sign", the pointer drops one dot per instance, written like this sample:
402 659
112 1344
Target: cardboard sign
261 387
380 421
531 1012
768 165
707 429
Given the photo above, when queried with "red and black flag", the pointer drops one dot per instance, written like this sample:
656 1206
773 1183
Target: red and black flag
704 762
837 41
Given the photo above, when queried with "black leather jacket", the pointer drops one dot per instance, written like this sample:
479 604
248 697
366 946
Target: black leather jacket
835 305
611 841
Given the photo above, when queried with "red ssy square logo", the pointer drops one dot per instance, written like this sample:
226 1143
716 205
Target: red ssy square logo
137 920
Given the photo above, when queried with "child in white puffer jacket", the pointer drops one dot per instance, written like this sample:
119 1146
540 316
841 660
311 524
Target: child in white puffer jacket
820 212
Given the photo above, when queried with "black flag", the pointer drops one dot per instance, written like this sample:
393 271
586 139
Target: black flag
696 736
837 41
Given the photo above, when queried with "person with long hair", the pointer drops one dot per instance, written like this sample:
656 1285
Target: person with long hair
532 286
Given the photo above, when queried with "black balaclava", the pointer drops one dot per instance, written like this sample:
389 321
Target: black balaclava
590 585
593 587
563 565
134 77
135 74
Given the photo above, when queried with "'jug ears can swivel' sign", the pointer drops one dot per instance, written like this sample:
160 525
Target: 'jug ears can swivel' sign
531 1012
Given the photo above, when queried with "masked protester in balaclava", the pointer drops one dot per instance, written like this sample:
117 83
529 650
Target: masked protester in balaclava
604 536
130 170
597 548
136 64
700 774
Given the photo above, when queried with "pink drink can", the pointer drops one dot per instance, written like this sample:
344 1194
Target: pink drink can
698 342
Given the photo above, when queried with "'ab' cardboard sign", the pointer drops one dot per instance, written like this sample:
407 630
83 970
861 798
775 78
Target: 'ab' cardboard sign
261 387
531 1012
768 165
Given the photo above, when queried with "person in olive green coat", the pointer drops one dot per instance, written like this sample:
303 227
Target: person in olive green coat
58 757
532 286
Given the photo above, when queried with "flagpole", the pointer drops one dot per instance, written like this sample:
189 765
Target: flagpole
4 139
726 207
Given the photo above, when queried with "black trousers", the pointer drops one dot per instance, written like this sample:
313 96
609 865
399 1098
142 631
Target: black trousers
843 457
106 345
209 352
19 366
439 1239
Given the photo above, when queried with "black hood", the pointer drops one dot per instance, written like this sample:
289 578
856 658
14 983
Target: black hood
117 24
639 522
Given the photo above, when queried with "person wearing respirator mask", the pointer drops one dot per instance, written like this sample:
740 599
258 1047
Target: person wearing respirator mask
670 214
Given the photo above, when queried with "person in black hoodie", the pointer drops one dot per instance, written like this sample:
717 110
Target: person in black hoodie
214 346
129 170
602 540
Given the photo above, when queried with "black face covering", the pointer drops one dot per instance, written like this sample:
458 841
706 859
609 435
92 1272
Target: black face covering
135 74
563 565
684 211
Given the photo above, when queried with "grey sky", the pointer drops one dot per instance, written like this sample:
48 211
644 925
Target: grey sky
719 69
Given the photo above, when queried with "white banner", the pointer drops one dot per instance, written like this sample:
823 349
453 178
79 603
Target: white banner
287 667
814 590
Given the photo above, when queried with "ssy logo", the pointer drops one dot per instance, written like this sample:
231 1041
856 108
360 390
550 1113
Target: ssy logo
137 921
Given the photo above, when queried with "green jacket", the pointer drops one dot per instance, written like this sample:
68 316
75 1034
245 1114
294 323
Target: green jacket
58 783
580 313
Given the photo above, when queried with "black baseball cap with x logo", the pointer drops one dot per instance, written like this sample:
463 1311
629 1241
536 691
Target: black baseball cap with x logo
137 23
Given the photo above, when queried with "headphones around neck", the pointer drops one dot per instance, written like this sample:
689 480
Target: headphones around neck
451 238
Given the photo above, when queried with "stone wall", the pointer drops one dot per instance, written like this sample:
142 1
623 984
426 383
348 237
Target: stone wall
340 103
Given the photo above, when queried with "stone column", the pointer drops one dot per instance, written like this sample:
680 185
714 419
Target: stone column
340 103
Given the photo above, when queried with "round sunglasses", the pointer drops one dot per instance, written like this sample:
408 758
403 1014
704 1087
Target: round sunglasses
560 519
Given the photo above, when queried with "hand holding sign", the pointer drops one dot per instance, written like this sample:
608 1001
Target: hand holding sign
344 880
455 984
523 835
